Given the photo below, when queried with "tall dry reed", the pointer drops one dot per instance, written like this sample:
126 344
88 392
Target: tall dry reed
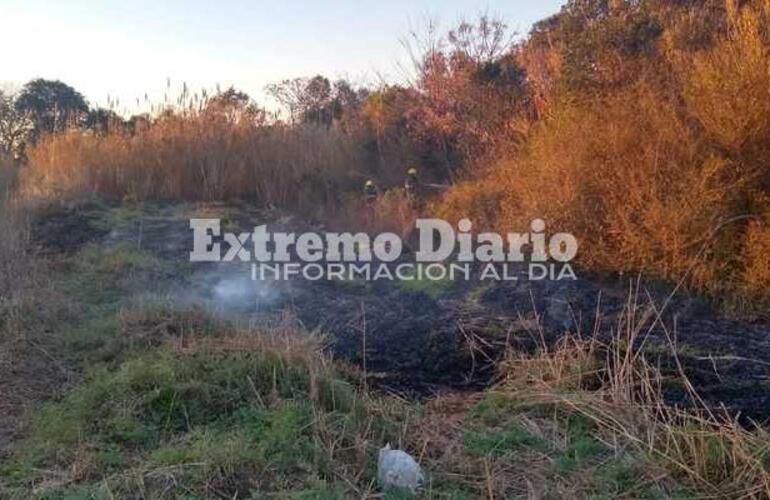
199 156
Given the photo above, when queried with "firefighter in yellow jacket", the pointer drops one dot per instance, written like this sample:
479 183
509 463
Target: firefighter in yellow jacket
370 193
412 187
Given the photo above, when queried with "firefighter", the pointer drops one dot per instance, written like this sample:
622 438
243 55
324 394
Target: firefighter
370 200
370 193
412 187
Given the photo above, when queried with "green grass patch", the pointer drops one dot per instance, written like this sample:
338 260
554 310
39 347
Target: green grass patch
475 295
434 288
204 415
494 409
95 285
582 446
625 477
484 442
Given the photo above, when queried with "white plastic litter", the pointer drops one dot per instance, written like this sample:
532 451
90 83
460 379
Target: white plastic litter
397 469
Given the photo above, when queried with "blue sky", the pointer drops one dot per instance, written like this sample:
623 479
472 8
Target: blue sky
126 49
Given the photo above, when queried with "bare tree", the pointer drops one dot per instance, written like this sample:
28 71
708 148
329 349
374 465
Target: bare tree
483 41
315 100
290 94
15 127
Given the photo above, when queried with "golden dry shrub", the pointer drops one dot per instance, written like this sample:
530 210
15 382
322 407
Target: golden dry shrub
727 87
668 173
630 178
478 200
756 255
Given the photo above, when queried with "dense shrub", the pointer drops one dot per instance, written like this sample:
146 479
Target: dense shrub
664 170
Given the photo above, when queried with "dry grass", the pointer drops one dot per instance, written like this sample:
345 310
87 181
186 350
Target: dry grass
614 389
708 450
8 174
26 369
17 268
199 156
391 212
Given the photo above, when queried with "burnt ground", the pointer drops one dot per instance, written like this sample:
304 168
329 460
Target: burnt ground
727 361
418 344
448 339
58 230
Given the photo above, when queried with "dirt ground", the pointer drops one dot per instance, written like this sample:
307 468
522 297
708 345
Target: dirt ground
417 343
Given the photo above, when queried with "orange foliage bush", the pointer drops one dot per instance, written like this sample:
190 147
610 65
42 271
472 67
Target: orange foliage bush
668 173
